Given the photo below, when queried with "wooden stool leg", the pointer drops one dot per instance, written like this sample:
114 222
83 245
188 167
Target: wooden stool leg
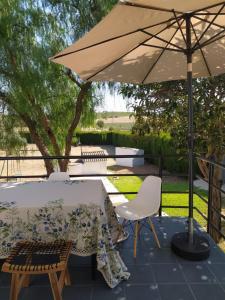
135 237
67 277
14 285
55 286
154 232
26 281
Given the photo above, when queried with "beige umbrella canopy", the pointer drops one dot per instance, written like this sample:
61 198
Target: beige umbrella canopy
147 41
140 43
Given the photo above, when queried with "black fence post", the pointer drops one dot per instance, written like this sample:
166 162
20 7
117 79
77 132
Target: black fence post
160 175
7 170
211 173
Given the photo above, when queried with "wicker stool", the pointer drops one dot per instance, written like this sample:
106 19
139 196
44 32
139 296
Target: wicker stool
31 258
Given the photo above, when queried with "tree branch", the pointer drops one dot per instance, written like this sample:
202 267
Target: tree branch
71 76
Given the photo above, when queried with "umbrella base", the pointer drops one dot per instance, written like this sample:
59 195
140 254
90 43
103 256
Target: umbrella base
199 250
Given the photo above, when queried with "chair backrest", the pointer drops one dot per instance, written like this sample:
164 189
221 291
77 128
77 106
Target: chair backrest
59 176
149 196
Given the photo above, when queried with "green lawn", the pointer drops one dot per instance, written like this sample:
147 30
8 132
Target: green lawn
132 184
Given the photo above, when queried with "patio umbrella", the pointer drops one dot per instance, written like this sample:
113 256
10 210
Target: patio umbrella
146 41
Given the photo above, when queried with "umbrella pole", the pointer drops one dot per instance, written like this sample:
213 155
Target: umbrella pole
190 128
190 245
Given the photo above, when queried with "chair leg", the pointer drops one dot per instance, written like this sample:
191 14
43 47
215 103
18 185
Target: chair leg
154 232
55 286
14 285
136 230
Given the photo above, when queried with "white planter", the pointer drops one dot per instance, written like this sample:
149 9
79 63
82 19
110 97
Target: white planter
129 162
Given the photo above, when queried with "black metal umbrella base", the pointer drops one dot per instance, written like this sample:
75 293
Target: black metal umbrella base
199 250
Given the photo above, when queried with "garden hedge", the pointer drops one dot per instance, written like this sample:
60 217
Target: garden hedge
152 144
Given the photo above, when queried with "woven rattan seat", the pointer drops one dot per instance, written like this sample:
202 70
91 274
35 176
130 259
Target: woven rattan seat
30 258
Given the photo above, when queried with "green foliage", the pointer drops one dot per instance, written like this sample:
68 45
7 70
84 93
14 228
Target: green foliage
32 88
11 141
100 124
164 107
95 137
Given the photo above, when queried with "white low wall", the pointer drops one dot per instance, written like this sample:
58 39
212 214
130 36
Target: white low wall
129 162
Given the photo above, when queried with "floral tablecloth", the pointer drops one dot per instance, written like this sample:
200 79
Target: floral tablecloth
77 210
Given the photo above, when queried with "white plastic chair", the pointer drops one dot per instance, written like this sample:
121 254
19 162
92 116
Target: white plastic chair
59 176
145 205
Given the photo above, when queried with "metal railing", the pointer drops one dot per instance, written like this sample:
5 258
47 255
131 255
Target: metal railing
208 202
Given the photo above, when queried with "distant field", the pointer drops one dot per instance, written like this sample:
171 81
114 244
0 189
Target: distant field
112 114
118 126
117 120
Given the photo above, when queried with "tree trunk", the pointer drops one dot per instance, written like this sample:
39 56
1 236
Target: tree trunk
77 114
38 141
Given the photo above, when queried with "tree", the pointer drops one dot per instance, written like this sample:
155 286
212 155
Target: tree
50 100
10 140
163 107
100 124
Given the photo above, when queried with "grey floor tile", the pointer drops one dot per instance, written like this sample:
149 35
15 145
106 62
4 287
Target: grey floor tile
161 255
219 271
141 275
198 273
135 292
104 292
40 280
5 279
216 255
83 276
77 293
36 293
208 292
4 293
142 257
167 273
146 256
175 292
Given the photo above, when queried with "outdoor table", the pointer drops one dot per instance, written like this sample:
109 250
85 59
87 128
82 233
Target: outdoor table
78 210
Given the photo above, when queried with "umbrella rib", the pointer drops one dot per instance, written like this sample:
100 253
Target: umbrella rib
209 25
209 43
140 44
209 14
211 40
117 37
158 58
175 15
208 7
162 40
127 3
160 47
203 55
206 21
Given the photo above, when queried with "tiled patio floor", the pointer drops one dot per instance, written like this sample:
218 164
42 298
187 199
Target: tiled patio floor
156 274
